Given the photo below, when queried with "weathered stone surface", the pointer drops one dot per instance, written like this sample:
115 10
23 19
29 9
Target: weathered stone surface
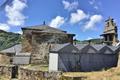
6 71
26 74
4 59
26 44
41 44
38 40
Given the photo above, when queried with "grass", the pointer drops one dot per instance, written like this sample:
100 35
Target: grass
111 74
3 78
36 67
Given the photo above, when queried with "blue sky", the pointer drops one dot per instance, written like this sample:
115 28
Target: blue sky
85 18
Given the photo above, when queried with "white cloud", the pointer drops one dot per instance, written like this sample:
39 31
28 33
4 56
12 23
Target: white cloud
91 2
70 6
95 4
93 20
57 22
4 27
14 13
20 32
78 16
89 38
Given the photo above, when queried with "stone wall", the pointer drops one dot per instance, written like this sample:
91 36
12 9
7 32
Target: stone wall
26 74
40 53
4 59
6 71
26 43
37 42
59 38
41 44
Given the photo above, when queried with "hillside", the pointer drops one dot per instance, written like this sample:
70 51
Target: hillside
8 39
94 41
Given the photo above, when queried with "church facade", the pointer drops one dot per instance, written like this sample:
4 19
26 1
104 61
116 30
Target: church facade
39 39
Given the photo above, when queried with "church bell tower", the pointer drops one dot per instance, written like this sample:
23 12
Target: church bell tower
110 34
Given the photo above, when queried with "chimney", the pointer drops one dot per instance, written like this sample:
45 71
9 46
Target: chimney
89 42
75 41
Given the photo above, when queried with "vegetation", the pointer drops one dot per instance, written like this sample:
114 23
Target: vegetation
3 78
93 41
8 39
36 67
110 74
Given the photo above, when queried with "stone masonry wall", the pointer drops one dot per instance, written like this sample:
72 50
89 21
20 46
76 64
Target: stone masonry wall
26 44
26 41
40 54
4 59
6 71
41 44
37 44
26 74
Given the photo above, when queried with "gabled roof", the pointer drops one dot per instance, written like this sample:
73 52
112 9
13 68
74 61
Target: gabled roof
88 49
117 50
118 44
14 49
80 46
58 47
44 28
69 49
98 47
85 48
113 48
106 50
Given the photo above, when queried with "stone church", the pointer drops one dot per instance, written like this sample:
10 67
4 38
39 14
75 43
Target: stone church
38 42
39 39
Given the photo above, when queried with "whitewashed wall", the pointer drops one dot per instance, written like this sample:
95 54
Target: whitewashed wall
53 62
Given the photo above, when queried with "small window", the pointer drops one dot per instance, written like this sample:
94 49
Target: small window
11 61
110 37
107 24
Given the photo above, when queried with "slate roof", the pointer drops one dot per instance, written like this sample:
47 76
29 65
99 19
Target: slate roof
67 47
58 47
14 49
45 28
118 44
19 58
81 48
98 47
